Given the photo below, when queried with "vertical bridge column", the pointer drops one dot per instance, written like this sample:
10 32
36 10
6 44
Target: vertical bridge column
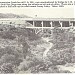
71 24
42 26
60 24
51 23
33 24
51 27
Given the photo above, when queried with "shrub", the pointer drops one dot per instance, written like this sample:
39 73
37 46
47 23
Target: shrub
7 68
7 58
60 57
25 65
8 35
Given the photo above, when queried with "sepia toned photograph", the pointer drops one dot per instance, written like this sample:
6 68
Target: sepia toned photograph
37 40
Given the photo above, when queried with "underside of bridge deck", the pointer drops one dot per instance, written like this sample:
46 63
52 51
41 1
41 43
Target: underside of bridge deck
52 23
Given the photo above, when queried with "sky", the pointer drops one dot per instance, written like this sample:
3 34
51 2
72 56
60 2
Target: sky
59 12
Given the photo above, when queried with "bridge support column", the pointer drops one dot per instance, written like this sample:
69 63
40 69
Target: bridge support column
33 24
51 24
51 31
51 27
60 24
71 24
42 26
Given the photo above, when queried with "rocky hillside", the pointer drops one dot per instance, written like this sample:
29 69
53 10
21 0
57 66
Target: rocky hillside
23 51
10 15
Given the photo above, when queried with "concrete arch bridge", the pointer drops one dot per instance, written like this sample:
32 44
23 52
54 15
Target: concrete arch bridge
40 24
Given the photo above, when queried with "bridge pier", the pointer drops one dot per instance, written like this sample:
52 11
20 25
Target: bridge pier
60 24
33 24
71 24
51 24
42 26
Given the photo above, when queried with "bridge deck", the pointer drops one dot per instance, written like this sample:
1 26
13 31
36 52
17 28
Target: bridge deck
49 27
